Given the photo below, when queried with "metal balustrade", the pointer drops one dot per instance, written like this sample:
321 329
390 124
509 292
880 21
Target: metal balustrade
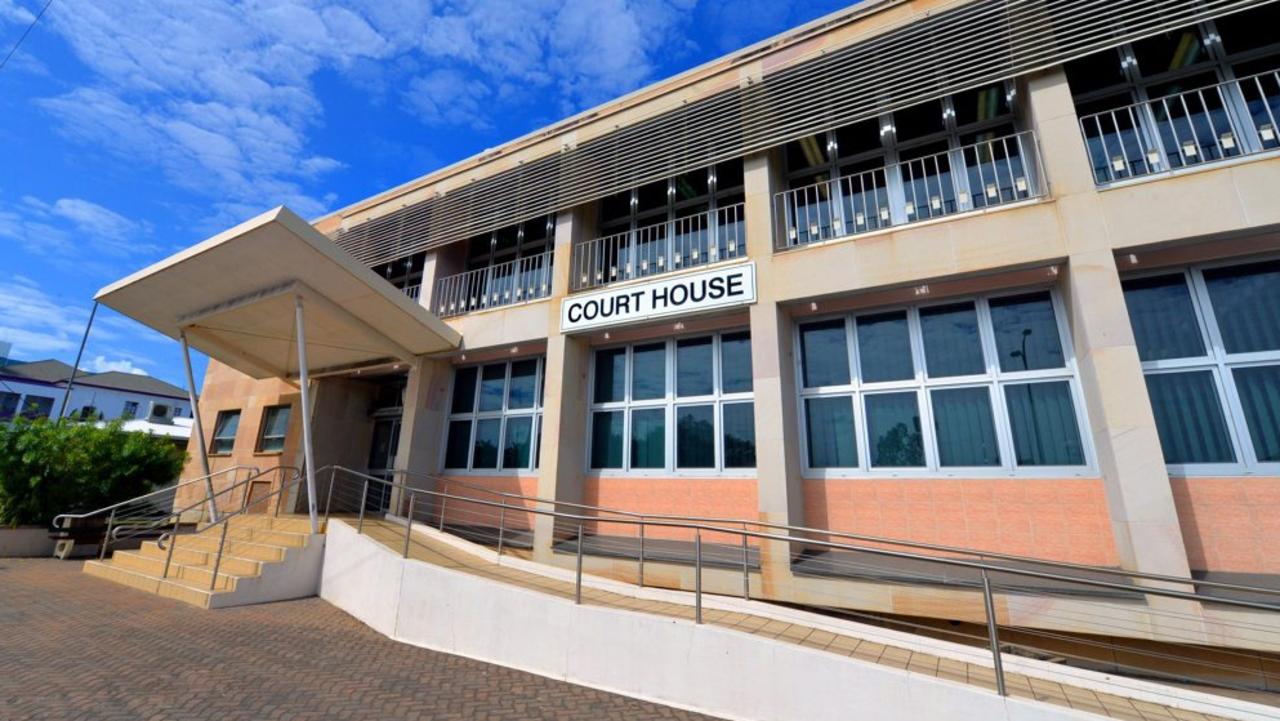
686 242
973 177
1204 125
413 291
515 281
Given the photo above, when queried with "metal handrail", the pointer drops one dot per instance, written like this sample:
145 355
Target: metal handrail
992 555
984 568
515 281
72 516
981 175
1215 122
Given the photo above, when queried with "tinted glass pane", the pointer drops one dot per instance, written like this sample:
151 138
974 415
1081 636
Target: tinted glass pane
34 407
981 105
606 439
1189 418
648 438
1246 303
493 379
459 442
829 422
859 138
1169 51
1095 72
694 372
893 430
1163 319
516 445
1259 389
966 429
735 362
9 405
739 428
464 390
1026 333
695 437
1043 419
807 152
611 375
884 347
524 380
485 451
919 120
649 371
952 346
1248 30
824 354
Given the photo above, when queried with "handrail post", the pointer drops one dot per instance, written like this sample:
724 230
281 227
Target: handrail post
502 524
697 576
443 498
408 524
993 633
217 560
577 589
746 572
102 552
329 496
640 582
173 541
363 495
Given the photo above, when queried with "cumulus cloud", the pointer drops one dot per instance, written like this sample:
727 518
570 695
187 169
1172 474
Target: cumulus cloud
74 232
100 364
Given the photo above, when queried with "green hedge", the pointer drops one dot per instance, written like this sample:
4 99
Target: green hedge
47 468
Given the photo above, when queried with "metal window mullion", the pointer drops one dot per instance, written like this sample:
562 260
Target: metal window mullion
1229 397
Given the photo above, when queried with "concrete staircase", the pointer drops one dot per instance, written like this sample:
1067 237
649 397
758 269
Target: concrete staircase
266 558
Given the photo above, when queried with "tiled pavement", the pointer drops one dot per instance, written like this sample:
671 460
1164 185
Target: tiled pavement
1105 705
77 647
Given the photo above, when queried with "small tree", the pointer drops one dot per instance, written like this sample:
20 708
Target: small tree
47 468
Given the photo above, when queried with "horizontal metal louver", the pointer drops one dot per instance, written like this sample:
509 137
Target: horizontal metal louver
972 45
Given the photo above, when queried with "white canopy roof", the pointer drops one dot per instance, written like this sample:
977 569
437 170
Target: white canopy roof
235 293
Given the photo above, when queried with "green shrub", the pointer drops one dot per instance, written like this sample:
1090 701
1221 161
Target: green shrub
47 468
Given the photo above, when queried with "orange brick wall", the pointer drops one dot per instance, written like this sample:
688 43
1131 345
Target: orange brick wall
718 497
473 514
1230 524
1063 519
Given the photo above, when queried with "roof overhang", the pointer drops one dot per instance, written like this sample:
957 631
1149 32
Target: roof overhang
235 295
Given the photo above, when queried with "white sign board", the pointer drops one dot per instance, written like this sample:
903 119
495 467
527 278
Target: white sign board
681 295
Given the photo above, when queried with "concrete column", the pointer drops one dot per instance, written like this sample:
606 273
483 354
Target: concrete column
564 412
779 490
1140 500
420 448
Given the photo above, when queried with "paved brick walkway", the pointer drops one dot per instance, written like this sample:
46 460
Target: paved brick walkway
76 647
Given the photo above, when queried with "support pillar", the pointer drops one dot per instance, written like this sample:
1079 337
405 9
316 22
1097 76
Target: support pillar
304 385
197 427
422 424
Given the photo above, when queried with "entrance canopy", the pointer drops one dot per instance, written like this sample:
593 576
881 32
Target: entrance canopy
235 295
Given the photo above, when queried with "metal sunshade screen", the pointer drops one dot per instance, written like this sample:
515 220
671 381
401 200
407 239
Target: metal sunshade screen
975 44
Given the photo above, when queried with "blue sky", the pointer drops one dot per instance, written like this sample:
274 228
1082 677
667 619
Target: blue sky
130 130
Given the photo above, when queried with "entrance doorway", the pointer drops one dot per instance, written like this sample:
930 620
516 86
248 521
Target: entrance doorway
382 460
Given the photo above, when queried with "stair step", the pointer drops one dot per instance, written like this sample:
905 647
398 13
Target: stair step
243 549
152 566
265 535
232 565
177 589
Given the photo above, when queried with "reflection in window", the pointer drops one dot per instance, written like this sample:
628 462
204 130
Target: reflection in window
648 438
493 423
606 439
649 371
952 346
893 430
884 347
965 427
275 423
1043 418
829 426
824 354
695 437
484 452
1026 333
739 435
1163 319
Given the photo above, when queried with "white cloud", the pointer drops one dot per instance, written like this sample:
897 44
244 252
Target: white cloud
74 232
100 364
13 14
37 324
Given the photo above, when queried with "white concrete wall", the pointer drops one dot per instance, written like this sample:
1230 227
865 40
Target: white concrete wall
110 402
24 389
670 661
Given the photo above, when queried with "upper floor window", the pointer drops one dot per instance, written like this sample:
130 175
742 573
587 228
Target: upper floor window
962 387
522 240
1209 341
9 405
403 273
36 407
131 410
275 424
495 415
944 156
1196 94
682 404
224 431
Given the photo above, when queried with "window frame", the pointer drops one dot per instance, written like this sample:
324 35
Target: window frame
258 446
993 378
1220 364
213 432
670 402
475 416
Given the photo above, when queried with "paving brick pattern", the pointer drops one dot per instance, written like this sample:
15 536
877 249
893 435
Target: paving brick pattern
77 647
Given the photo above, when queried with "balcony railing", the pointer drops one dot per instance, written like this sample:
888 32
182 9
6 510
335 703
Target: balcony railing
507 283
982 175
1204 125
413 291
686 242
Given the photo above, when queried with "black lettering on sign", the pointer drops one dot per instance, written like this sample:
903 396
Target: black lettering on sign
575 308
734 284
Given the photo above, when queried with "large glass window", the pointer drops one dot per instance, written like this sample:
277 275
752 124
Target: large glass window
495 414
687 406
983 385
1209 340
224 431
275 424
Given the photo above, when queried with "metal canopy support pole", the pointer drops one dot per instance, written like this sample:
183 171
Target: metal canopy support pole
71 382
305 387
196 426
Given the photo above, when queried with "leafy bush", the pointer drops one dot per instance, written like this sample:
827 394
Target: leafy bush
47 468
